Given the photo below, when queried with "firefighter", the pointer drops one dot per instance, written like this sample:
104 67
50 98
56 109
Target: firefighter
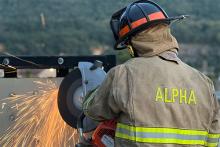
157 99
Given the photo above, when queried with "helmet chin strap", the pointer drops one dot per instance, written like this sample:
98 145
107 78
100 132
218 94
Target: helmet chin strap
132 51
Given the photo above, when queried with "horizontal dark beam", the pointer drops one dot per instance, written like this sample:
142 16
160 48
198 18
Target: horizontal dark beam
62 64
44 62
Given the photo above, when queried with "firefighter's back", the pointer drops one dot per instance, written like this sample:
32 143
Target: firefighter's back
170 104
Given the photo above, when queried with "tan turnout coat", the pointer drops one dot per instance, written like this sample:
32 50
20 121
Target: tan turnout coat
156 90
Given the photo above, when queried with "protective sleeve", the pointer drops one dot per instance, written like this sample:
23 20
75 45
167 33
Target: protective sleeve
214 132
101 104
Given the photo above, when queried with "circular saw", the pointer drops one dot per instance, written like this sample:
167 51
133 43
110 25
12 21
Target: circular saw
74 88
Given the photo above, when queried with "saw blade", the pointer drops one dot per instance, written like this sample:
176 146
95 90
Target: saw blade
70 98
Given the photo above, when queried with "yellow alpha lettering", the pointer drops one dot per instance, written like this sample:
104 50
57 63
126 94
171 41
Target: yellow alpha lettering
192 97
166 95
175 94
183 96
159 95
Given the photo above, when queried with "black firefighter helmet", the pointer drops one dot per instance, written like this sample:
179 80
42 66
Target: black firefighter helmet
135 18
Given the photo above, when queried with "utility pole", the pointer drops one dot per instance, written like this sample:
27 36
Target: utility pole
43 20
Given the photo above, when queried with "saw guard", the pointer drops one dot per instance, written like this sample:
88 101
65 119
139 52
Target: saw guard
92 78
72 90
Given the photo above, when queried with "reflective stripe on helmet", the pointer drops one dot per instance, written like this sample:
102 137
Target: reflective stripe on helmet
153 16
124 31
165 135
156 15
138 22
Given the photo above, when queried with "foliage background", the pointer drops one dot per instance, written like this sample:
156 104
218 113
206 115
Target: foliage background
74 27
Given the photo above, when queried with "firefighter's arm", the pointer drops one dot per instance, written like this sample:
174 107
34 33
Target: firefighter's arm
214 132
100 104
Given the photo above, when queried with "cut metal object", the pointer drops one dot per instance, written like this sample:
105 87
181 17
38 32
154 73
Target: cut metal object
73 89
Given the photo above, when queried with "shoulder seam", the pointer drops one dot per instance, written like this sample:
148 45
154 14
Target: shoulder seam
131 99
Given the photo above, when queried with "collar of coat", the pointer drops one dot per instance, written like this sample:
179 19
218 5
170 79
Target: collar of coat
155 41
170 55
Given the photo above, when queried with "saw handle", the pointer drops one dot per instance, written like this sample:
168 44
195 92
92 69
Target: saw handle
83 142
80 124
